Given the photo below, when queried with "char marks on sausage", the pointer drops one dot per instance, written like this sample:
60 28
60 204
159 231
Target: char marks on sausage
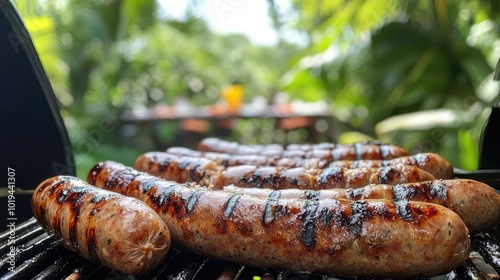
475 202
209 174
108 228
376 238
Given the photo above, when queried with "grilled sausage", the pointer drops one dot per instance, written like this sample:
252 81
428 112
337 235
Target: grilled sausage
375 238
430 162
212 144
178 168
355 151
301 178
166 166
475 202
116 231
225 159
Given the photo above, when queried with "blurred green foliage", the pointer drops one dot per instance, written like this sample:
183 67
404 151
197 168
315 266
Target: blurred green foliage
376 62
395 58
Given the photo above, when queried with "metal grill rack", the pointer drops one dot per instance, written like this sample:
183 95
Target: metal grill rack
36 255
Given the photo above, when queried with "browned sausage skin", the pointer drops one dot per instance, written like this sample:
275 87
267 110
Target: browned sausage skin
212 144
375 238
430 162
168 167
316 179
226 160
117 231
475 202
178 168
355 151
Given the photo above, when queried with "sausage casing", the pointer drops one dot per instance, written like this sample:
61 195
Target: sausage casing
376 238
116 231
433 163
354 151
430 162
169 167
333 177
475 202
179 168
225 159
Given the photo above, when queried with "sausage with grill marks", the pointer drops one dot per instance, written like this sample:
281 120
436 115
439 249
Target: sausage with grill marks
288 160
328 145
178 168
212 144
475 202
372 238
114 230
333 177
224 159
355 151
430 162
164 165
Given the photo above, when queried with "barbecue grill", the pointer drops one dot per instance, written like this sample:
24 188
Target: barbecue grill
27 251
40 256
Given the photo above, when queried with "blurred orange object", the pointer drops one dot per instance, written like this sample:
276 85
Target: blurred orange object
233 96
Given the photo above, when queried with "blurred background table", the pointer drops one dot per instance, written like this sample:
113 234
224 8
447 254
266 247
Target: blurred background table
197 122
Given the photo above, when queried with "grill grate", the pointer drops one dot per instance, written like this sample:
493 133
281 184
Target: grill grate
39 256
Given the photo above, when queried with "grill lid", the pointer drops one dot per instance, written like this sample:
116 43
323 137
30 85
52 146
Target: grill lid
33 133
489 150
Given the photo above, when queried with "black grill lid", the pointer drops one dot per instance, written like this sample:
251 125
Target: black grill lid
34 141
489 148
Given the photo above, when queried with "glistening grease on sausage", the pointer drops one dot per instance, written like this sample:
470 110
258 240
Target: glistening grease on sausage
182 169
302 178
226 160
475 202
430 162
375 238
354 151
116 231
167 166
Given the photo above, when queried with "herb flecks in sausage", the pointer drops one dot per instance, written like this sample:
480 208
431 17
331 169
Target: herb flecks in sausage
310 232
475 202
116 231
